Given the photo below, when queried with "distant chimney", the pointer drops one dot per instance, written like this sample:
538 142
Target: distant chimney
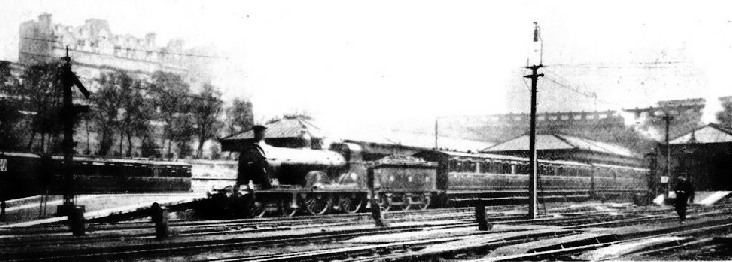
151 39
45 19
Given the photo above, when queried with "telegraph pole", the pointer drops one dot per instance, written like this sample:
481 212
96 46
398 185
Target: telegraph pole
667 118
436 134
534 76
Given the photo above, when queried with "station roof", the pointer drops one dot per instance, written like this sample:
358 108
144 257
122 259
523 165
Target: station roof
561 142
420 141
285 128
711 133
292 128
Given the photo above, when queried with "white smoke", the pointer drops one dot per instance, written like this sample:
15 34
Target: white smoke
712 106
637 124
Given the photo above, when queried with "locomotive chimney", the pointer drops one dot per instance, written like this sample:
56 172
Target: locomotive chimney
259 133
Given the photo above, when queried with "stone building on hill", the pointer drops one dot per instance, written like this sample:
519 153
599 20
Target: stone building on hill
95 49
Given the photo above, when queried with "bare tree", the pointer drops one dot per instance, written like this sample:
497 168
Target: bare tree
206 109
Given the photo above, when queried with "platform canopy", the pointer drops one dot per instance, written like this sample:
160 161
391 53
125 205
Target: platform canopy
561 142
569 148
711 133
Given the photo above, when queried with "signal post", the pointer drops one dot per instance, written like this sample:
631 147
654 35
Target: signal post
69 208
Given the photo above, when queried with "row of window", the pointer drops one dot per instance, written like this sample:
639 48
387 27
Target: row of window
467 166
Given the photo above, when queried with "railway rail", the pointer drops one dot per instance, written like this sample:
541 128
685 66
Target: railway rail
333 235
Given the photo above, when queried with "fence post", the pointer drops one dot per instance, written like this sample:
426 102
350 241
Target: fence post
76 220
480 216
2 210
160 218
375 207
377 215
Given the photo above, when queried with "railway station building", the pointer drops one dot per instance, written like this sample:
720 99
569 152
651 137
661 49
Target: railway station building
291 132
703 155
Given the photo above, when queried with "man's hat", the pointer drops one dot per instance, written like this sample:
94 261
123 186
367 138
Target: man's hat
259 128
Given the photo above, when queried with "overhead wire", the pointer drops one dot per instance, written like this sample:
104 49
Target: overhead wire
622 65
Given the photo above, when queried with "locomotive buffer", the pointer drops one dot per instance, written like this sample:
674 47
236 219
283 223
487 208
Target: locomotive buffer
68 115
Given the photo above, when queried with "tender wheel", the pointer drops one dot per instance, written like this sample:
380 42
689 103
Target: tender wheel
258 209
350 203
422 201
385 202
318 204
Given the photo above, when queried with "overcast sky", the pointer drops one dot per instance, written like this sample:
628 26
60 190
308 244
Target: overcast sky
356 62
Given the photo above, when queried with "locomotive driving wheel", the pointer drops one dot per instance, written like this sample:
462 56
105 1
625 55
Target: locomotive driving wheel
350 203
287 208
318 203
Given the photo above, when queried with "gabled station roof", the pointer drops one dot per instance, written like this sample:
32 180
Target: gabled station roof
285 128
561 142
417 141
711 133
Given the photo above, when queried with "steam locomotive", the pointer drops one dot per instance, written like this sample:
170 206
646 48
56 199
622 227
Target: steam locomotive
340 180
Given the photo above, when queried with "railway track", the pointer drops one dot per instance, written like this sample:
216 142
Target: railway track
419 251
325 238
22 240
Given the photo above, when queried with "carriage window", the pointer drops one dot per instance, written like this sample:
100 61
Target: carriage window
461 166
507 168
454 165
582 172
570 171
485 167
546 170
470 166
523 169
624 173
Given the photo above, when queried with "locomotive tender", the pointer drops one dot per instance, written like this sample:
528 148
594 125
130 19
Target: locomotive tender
321 181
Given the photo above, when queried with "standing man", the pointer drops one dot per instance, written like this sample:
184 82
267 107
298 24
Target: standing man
684 189
253 161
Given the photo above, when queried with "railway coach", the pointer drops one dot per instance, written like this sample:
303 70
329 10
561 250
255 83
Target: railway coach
26 174
502 179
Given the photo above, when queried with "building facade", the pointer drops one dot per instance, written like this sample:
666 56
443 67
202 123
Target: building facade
95 50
